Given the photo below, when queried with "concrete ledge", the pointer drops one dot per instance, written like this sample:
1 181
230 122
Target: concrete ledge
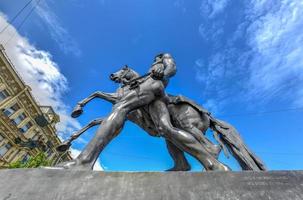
51 184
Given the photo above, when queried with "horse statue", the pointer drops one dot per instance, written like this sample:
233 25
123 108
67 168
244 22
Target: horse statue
187 115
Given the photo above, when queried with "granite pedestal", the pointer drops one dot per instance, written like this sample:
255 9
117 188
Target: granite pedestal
51 184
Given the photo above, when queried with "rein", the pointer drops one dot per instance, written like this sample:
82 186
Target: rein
135 81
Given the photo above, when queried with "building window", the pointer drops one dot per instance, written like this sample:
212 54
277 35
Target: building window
36 137
49 152
3 95
1 138
25 128
4 149
19 119
25 158
49 144
11 110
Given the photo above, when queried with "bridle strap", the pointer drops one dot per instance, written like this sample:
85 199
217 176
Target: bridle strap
125 73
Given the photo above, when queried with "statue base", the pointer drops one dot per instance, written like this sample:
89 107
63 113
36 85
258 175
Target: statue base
54 184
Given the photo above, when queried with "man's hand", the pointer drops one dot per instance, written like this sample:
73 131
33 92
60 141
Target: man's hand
158 71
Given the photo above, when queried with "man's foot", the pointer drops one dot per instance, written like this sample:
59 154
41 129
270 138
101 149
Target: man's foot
220 167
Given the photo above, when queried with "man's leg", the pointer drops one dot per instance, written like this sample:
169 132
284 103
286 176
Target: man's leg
183 140
111 127
180 161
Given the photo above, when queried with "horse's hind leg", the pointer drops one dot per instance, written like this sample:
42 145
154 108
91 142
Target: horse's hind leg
209 146
180 161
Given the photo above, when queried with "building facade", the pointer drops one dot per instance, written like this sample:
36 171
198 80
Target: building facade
26 128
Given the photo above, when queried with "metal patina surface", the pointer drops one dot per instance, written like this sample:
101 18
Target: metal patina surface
179 120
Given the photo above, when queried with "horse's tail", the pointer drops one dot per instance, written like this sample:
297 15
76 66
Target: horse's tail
228 136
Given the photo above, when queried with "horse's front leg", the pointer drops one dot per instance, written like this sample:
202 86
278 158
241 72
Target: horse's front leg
111 97
67 143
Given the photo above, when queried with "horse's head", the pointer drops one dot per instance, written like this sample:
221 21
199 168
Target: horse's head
124 75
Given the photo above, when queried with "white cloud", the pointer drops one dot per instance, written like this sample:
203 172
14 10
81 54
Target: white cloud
180 4
276 40
211 33
76 152
59 34
41 73
259 59
211 8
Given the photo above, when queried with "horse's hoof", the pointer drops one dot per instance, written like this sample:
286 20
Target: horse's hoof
77 111
63 147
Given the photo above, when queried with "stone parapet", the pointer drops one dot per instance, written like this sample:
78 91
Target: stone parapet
52 184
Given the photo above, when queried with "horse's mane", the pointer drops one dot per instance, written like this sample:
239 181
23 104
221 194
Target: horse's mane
135 74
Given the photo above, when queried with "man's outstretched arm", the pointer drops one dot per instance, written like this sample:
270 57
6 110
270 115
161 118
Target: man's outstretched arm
170 68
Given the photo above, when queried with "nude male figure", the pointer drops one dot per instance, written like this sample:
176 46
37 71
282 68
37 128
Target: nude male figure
150 93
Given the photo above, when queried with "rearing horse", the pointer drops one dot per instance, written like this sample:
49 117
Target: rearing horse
188 116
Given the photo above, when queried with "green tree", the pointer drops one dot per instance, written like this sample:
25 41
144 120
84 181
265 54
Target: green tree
33 162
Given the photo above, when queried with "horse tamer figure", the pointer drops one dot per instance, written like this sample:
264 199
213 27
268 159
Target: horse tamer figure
143 100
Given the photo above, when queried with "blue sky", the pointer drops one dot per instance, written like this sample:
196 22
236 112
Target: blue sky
236 58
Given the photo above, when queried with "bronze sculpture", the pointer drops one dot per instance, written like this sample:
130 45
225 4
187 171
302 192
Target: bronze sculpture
143 101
